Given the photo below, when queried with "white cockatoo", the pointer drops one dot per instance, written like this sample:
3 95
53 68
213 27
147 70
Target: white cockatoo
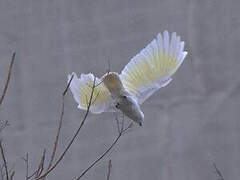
146 72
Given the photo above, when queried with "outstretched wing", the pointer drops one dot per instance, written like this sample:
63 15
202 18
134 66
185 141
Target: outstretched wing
153 67
82 88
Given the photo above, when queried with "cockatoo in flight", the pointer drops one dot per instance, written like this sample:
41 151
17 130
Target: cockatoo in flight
146 72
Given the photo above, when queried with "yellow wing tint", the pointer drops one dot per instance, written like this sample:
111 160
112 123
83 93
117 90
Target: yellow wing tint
81 89
153 67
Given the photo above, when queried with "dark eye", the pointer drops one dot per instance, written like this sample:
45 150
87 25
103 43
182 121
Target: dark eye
125 97
117 105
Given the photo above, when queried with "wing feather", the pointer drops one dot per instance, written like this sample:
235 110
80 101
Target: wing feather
82 88
153 67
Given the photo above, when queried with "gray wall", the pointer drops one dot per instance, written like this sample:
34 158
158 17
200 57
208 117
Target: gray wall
188 124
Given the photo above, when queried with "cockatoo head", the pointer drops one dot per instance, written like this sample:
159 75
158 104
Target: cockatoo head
123 100
113 83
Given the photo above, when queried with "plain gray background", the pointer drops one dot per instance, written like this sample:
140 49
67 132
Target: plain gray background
188 124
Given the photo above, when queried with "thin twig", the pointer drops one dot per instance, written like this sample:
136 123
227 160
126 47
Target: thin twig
117 121
122 128
127 128
59 125
218 172
3 125
120 133
8 78
66 89
27 166
107 72
109 67
95 97
1 171
74 137
6 122
4 161
99 158
41 164
109 169
10 171
12 174
34 173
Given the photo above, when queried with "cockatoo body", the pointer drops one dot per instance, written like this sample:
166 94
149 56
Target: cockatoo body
122 98
147 72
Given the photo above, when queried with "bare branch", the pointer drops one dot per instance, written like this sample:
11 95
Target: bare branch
101 157
120 133
1 172
34 173
4 161
27 176
12 174
109 67
217 171
94 100
107 71
74 136
109 169
59 125
41 164
8 78
126 130
66 89
118 123
3 125
27 166
122 127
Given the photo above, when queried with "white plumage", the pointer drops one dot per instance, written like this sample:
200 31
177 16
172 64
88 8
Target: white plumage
146 72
